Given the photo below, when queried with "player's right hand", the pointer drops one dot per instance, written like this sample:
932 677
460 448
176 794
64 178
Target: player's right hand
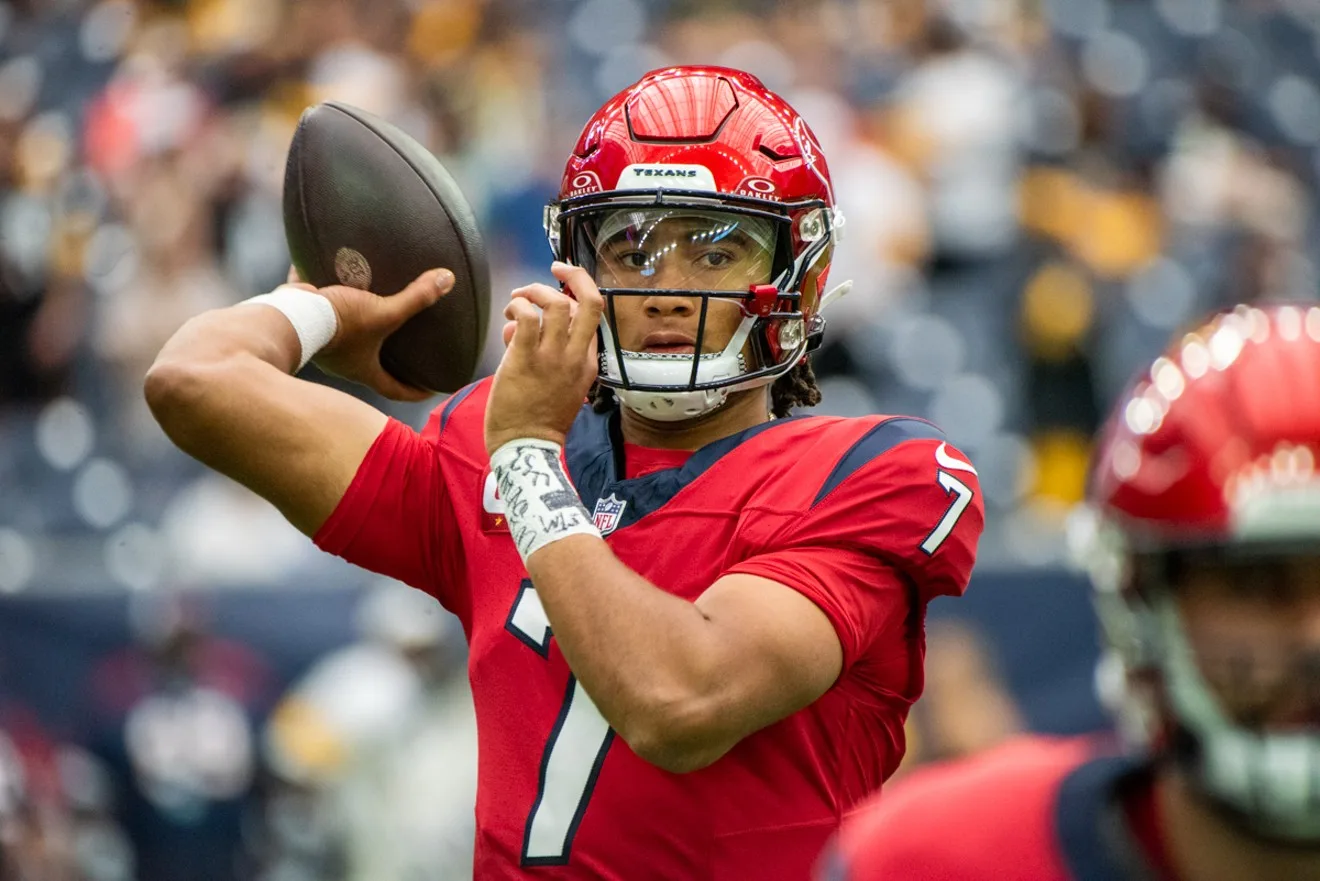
365 320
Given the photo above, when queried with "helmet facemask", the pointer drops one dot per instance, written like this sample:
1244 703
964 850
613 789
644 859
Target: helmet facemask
1240 707
738 263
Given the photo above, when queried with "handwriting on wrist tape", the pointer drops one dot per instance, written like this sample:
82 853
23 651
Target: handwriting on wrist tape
539 502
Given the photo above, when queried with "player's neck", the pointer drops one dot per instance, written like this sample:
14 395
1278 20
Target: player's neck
1205 846
742 411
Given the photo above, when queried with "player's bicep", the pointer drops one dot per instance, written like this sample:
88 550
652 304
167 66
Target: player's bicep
779 651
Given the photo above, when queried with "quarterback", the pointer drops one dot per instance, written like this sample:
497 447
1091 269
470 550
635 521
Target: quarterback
694 616
1207 577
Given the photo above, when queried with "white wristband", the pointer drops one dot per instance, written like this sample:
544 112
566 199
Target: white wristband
540 503
312 316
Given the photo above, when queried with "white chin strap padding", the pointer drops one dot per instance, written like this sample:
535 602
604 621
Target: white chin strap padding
673 406
675 370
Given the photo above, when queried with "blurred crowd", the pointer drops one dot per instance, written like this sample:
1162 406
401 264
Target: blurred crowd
169 739
1037 193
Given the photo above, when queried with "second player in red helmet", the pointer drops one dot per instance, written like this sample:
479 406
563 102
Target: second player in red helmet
1204 551
695 615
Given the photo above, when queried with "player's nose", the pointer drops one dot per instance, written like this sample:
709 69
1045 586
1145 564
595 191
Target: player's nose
669 276
668 306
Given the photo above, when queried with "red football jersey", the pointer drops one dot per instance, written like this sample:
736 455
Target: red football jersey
1034 809
869 518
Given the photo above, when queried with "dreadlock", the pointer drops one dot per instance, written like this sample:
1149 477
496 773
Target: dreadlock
796 388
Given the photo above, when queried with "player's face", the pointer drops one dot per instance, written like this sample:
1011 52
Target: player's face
1255 629
707 251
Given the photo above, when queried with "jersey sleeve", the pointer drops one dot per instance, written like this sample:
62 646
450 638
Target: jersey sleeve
896 528
397 517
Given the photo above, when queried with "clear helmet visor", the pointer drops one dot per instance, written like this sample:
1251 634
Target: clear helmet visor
662 248
694 299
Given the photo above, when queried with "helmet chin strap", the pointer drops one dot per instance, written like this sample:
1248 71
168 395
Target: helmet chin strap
673 406
678 406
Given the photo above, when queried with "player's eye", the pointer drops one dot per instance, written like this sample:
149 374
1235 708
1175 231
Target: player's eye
633 259
715 260
621 256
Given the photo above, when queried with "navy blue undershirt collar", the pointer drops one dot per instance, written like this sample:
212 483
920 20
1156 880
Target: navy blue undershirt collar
593 464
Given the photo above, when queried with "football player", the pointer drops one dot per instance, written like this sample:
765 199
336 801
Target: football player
694 617
1206 566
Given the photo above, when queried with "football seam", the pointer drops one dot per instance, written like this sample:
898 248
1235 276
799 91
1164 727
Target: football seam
467 256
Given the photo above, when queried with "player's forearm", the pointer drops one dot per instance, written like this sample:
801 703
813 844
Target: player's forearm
649 660
222 334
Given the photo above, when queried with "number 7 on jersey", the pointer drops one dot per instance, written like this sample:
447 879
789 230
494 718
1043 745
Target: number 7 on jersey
962 497
574 751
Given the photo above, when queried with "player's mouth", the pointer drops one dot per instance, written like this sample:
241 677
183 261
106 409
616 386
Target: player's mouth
667 342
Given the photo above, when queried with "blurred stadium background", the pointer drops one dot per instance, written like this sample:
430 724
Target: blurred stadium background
1038 193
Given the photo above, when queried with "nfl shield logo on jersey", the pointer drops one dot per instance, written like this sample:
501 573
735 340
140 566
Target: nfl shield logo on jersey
608 512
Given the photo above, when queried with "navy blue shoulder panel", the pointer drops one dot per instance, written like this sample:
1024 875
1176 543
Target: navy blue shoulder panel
454 400
879 440
590 455
1091 824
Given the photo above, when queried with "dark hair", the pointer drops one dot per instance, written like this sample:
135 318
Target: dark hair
796 388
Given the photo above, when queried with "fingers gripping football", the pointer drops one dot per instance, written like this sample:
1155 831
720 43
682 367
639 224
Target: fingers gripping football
550 362
366 320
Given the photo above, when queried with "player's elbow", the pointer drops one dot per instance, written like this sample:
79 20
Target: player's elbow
171 385
200 359
177 391
678 737
673 755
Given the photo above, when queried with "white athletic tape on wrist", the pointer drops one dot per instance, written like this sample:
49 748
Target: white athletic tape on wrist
540 503
312 316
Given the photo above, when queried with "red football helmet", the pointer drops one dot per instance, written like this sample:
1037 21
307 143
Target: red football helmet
699 182
1207 446
1210 461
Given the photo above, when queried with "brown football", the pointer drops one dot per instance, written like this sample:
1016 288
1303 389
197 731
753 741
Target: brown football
366 205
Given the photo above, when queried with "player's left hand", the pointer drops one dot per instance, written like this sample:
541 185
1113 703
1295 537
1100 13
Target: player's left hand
550 362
